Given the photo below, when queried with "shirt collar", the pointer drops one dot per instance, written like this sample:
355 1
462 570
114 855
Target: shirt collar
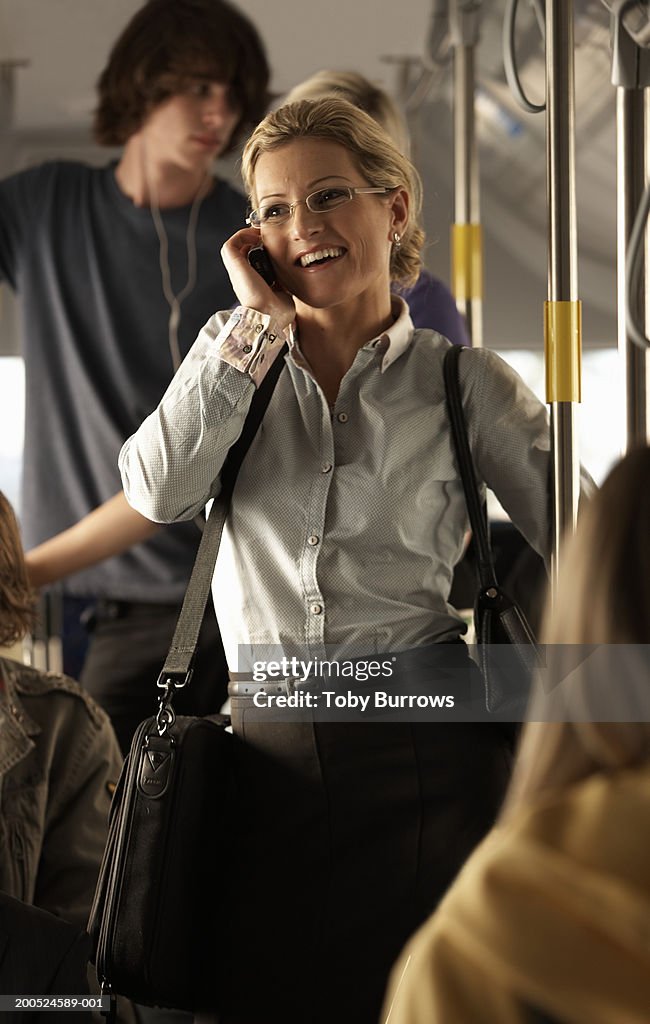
390 345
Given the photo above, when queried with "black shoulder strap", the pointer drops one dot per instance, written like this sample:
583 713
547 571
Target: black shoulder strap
466 466
187 629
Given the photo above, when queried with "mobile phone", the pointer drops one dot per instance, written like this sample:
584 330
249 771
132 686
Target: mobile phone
260 261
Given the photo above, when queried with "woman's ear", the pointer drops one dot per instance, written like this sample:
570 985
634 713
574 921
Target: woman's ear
399 207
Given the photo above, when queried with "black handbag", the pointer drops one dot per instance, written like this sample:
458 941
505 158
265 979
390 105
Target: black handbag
506 646
159 921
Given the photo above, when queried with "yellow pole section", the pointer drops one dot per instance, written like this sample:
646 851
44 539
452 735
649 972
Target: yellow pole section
563 351
467 261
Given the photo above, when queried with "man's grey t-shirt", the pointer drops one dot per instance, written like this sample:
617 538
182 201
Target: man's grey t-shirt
85 262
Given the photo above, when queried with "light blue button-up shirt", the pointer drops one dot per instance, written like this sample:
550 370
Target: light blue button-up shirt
346 523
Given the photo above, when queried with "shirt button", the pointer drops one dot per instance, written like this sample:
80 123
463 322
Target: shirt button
316 609
326 467
313 539
342 417
248 348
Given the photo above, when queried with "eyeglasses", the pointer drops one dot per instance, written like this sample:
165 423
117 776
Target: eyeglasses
323 201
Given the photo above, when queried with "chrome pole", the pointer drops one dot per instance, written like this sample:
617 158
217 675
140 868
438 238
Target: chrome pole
631 76
8 69
631 168
467 264
563 325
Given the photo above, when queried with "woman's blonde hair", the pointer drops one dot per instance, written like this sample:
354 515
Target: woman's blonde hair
603 599
17 599
361 93
377 157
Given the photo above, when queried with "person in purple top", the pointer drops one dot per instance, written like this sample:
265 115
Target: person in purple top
432 305
430 302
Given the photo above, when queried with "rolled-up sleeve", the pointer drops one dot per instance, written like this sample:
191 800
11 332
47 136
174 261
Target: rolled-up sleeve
170 467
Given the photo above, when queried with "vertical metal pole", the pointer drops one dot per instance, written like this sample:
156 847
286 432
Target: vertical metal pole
630 146
563 327
467 256
7 98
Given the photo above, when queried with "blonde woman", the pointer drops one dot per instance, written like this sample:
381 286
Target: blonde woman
346 521
114 527
548 922
430 302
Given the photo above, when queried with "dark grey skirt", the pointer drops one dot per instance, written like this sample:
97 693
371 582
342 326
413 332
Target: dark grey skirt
350 835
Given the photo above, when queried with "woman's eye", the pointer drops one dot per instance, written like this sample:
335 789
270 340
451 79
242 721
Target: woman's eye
272 212
327 196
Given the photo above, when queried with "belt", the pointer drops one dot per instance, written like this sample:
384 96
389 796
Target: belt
407 666
106 610
249 687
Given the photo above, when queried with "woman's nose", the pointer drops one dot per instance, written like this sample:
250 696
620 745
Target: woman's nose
305 222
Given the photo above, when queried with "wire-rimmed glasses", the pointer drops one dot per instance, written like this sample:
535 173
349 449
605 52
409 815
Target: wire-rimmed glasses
321 201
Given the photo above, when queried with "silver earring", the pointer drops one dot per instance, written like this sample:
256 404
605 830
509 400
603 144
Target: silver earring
397 240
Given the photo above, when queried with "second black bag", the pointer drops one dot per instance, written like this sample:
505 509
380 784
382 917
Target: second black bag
506 646
507 651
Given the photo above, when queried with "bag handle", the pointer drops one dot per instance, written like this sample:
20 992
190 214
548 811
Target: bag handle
475 508
176 671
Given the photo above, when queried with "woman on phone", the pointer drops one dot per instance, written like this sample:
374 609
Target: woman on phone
346 522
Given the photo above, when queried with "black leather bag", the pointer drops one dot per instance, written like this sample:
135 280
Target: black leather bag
159 921
506 645
159 918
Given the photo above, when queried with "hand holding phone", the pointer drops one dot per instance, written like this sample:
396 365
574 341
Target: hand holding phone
262 290
260 261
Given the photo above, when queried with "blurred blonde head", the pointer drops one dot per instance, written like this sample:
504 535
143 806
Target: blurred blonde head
361 93
376 156
16 595
603 598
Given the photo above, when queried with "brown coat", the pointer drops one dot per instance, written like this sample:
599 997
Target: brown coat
59 762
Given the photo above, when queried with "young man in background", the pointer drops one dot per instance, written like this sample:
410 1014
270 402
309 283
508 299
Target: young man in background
118 268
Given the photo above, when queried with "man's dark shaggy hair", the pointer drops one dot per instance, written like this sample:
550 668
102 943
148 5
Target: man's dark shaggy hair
166 45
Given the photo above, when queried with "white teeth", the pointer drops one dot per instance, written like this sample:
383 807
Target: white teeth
322 254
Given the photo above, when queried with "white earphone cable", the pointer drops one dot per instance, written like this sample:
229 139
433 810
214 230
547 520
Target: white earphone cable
175 299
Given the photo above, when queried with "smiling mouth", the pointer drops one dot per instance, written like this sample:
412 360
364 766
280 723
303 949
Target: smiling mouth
320 257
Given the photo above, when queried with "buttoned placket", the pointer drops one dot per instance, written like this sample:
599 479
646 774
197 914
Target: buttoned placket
334 436
315 617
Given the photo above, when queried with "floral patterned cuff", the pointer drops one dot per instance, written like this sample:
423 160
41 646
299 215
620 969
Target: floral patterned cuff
250 342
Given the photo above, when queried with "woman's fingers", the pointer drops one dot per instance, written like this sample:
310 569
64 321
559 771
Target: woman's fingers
249 286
